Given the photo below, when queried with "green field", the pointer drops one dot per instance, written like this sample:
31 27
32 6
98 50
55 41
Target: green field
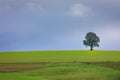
59 56
60 65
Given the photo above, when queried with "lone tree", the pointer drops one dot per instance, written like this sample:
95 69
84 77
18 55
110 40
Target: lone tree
91 40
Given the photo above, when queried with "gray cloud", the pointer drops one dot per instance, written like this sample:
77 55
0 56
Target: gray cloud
79 10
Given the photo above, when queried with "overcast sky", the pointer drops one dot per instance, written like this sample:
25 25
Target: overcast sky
58 24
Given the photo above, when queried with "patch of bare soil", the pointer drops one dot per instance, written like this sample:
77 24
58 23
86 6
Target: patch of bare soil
20 67
113 65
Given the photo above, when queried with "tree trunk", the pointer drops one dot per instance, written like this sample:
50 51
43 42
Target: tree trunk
91 47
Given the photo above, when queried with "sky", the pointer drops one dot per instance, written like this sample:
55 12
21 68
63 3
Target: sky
58 24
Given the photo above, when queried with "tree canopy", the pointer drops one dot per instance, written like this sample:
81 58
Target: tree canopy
91 40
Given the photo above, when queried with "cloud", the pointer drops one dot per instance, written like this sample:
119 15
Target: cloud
106 10
79 10
13 6
34 6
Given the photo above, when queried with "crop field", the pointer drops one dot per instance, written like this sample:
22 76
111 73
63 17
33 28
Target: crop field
60 65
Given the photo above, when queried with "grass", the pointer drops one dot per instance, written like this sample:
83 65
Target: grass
60 65
66 71
59 56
